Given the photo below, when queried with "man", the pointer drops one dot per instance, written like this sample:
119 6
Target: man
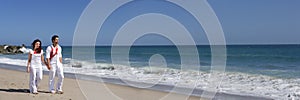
54 59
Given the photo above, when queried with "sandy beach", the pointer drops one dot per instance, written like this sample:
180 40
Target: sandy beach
14 86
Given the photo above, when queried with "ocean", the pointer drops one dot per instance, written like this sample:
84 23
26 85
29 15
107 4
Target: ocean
271 71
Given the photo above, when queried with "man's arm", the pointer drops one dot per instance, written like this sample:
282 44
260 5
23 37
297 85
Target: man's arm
48 50
60 55
48 64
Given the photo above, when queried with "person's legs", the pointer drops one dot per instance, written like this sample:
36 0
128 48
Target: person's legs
52 72
60 73
39 76
32 80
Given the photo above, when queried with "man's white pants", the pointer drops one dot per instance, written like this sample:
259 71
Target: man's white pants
36 75
56 69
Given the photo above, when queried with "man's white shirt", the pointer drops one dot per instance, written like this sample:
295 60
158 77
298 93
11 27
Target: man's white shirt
55 59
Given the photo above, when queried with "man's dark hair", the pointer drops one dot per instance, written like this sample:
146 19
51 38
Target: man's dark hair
53 37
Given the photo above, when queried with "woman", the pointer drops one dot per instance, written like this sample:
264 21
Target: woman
34 65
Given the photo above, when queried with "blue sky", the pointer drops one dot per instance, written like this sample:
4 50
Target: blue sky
243 21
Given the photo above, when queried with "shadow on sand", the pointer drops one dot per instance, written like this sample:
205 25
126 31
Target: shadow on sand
21 90
16 90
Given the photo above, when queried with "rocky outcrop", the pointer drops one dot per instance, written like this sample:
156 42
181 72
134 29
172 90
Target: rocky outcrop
11 49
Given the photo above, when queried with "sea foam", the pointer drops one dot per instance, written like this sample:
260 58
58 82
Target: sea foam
232 82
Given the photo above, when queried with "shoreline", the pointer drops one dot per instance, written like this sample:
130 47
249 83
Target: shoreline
14 85
108 82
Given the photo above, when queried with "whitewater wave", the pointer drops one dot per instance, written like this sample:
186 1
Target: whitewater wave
233 82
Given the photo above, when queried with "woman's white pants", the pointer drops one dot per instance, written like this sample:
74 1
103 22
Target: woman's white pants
36 75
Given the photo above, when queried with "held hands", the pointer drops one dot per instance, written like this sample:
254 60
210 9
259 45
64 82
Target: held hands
49 67
28 69
47 63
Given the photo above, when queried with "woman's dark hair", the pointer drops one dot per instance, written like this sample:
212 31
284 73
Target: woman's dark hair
54 37
38 50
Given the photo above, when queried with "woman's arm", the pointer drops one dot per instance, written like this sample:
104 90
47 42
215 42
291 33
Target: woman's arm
28 62
43 60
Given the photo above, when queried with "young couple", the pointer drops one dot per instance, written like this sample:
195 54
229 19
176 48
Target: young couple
53 63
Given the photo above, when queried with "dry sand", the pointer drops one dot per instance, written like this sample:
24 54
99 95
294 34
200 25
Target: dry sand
14 86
